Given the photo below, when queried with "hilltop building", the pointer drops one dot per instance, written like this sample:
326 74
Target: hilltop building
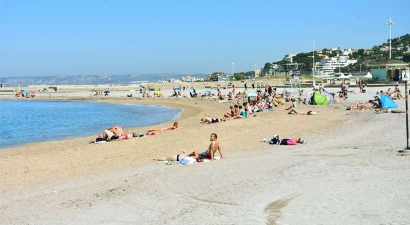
289 57
327 66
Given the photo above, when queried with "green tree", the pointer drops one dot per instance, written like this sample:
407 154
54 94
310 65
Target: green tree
406 57
268 65
239 76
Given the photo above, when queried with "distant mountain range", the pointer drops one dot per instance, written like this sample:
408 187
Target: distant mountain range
92 79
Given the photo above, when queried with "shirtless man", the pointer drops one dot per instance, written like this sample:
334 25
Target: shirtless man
115 132
213 147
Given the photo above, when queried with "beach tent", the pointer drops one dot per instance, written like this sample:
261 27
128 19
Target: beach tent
349 76
319 99
25 92
329 97
342 76
207 92
368 76
387 102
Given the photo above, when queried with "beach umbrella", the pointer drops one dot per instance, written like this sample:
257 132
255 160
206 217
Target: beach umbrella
106 91
252 94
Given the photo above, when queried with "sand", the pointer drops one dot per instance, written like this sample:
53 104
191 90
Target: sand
349 172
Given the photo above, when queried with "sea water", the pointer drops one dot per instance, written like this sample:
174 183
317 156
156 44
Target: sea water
23 122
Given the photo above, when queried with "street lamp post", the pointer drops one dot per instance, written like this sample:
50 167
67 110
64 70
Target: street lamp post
233 69
313 64
390 22
254 70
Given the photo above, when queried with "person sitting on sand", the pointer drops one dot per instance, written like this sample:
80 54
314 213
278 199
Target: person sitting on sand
175 126
379 110
212 148
294 111
293 106
242 113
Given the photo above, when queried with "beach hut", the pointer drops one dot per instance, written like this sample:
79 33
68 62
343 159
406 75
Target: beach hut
387 70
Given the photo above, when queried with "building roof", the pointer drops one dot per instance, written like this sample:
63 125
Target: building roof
387 62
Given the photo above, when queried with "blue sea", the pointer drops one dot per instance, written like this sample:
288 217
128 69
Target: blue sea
25 122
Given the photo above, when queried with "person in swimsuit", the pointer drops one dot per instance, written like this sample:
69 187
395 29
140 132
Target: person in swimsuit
294 111
177 157
208 119
293 106
212 148
114 133
175 126
389 111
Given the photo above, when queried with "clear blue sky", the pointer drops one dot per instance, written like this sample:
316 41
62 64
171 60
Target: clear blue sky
61 37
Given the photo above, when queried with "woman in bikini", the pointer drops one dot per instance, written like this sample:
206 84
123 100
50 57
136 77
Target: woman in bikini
294 111
175 126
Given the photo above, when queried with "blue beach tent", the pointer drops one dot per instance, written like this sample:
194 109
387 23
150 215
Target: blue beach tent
387 102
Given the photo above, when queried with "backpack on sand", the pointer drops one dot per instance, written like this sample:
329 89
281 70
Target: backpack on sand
275 140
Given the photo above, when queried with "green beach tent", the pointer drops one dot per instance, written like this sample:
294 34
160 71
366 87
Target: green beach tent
319 99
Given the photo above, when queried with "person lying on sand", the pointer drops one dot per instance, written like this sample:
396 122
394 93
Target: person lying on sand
359 107
390 111
177 157
115 133
294 111
175 126
207 119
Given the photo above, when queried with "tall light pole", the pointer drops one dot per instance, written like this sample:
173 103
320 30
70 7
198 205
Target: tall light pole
390 22
313 64
233 66
255 70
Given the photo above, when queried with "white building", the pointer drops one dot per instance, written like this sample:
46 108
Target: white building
328 66
347 51
289 57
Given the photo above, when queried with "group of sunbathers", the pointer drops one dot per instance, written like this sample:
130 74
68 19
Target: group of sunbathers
393 94
117 133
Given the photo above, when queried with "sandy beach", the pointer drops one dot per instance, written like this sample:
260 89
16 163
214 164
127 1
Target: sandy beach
349 172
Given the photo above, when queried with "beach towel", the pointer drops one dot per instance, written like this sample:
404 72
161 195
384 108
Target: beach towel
187 160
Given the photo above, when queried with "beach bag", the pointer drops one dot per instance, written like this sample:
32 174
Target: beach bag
275 140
